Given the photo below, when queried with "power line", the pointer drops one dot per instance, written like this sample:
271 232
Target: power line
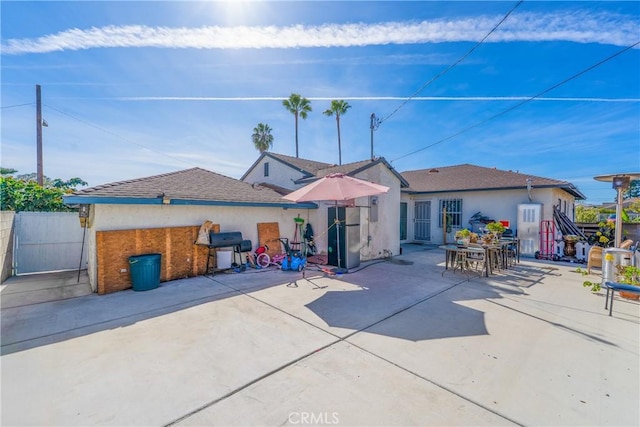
116 135
17 105
462 58
521 103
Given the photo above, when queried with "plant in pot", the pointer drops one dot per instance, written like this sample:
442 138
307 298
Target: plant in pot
496 229
570 241
463 236
626 274
629 275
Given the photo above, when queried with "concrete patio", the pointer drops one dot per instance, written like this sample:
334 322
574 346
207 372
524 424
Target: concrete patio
393 343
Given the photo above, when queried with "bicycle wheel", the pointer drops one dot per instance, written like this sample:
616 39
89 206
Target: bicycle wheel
263 260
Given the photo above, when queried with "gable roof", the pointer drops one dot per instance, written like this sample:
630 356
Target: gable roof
305 166
353 169
189 186
468 177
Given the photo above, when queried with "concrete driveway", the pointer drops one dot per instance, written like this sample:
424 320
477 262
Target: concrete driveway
394 343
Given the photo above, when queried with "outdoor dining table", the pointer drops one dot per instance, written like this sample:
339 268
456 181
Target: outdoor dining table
496 252
454 252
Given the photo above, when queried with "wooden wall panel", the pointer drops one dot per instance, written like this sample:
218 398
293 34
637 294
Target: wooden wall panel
181 257
268 234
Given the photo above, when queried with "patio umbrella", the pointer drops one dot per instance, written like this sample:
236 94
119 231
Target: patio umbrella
336 187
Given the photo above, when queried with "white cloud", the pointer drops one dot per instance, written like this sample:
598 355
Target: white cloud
580 27
364 98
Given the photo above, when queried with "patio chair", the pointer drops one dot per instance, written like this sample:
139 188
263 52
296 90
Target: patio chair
476 258
594 258
626 244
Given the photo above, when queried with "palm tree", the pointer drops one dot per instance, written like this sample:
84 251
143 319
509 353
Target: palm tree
262 138
338 108
298 106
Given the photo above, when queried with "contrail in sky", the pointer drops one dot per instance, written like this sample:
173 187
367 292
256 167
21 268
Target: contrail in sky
353 98
574 26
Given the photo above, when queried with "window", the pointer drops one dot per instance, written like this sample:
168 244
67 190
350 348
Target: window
454 212
266 168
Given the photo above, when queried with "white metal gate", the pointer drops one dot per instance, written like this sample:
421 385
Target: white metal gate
422 221
47 241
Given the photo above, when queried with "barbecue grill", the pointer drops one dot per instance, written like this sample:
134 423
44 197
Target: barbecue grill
231 239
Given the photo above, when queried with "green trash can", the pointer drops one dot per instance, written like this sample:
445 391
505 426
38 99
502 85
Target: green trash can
145 271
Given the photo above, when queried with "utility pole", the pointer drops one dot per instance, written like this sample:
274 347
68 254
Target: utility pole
40 174
375 122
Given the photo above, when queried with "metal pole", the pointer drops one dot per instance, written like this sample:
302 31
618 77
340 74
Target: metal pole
619 219
371 126
40 174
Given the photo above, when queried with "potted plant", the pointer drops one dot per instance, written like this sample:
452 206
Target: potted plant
627 274
496 228
495 232
570 241
463 236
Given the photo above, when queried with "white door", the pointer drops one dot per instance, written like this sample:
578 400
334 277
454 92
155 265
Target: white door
529 217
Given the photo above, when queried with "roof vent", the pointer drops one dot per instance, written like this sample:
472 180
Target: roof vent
434 170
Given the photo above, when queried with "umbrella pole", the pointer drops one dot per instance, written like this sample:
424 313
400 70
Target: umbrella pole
337 221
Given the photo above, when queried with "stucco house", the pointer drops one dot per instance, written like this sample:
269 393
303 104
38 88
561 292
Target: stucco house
374 220
163 213
463 190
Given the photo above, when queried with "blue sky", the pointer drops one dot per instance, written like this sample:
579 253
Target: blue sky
133 89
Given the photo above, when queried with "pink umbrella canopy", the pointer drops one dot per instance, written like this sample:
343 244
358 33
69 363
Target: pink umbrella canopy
336 186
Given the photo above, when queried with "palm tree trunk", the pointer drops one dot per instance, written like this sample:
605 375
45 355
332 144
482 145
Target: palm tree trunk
296 116
339 144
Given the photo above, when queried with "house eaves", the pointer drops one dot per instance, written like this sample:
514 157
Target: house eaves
87 200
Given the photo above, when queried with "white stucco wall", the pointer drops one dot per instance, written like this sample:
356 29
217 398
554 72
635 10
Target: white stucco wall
384 233
244 219
279 174
499 205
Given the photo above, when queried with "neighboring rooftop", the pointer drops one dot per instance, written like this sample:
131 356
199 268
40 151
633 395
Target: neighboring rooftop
189 185
468 177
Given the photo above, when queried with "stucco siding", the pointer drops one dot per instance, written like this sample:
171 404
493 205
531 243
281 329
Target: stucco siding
499 205
6 244
244 219
279 174
385 232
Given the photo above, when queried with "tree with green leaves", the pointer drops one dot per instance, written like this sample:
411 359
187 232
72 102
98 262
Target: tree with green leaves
22 193
338 109
7 171
587 214
299 106
262 138
633 190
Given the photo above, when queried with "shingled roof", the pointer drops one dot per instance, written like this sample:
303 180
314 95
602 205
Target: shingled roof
190 186
353 169
468 177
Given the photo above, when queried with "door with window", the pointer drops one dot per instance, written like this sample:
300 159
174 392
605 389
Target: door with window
422 221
